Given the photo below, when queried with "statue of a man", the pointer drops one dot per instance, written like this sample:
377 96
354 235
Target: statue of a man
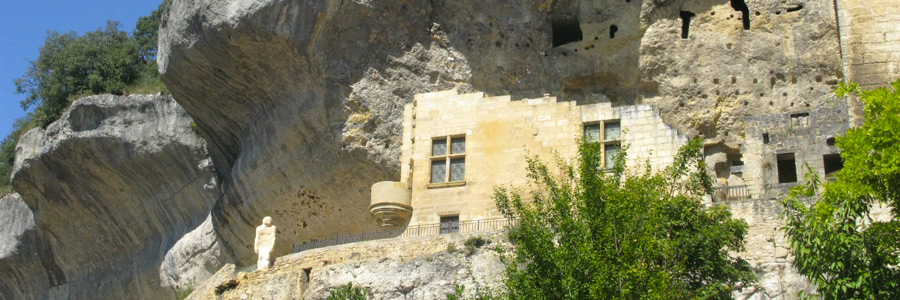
263 243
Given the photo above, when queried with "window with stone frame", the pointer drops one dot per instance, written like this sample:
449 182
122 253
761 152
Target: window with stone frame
609 135
448 159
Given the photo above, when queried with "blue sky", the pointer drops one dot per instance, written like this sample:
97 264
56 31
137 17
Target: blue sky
24 26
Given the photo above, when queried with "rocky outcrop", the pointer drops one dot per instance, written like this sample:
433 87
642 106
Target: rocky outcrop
193 258
27 269
403 268
113 185
301 102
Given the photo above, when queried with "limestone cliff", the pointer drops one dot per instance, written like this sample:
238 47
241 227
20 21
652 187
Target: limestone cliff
112 186
26 263
301 102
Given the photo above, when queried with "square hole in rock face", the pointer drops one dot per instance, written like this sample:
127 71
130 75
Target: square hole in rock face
566 30
833 163
787 168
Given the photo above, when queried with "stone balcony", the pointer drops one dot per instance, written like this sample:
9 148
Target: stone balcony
391 203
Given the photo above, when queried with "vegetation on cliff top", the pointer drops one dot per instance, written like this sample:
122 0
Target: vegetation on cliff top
591 234
70 66
835 240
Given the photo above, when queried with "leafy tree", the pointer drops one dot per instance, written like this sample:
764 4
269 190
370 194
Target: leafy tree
102 61
146 32
836 242
589 234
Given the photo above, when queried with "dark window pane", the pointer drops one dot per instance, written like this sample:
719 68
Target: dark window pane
438 171
449 224
458 169
458 145
439 147
612 131
592 133
611 151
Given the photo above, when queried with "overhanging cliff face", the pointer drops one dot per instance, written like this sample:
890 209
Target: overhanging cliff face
301 101
112 186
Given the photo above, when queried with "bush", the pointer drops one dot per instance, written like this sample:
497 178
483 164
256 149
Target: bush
589 234
475 242
348 292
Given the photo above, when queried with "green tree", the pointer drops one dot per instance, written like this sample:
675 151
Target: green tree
146 32
590 234
102 61
836 242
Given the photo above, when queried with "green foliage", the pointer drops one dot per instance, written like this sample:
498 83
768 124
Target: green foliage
102 61
451 248
348 292
8 150
146 32
588 234
459 290
473 243
183 292
70 67
837 244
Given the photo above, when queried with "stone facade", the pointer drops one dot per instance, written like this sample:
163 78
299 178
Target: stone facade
870 40
776 144
498 135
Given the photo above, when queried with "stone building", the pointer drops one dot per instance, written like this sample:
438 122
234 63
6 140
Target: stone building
458 147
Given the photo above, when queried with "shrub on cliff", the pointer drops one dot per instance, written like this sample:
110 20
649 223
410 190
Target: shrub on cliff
70 66
837 244
589 234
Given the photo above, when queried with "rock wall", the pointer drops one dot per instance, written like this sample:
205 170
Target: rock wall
27 269
405 268
301 102
112 186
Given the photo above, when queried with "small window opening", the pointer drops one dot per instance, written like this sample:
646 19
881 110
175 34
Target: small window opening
787 168
449 224
830 141
795 8
800 120
612 31
833 163
740 5
686 23
566 30
307 271
765 138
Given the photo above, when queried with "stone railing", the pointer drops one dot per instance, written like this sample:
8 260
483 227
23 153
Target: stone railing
731 193
404 232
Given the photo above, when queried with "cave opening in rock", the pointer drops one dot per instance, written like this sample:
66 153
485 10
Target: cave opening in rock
795 8
612 31
741 6
765 138
566 30
833 163
787 168
685 23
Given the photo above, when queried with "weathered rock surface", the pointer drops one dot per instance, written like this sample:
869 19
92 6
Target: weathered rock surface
193 259
406 268
112 186
27 269
301 102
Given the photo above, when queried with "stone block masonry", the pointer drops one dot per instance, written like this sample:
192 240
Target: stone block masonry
870 40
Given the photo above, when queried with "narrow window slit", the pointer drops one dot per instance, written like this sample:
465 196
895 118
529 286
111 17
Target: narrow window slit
686 23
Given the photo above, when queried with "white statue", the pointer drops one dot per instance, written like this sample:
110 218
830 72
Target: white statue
265 240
